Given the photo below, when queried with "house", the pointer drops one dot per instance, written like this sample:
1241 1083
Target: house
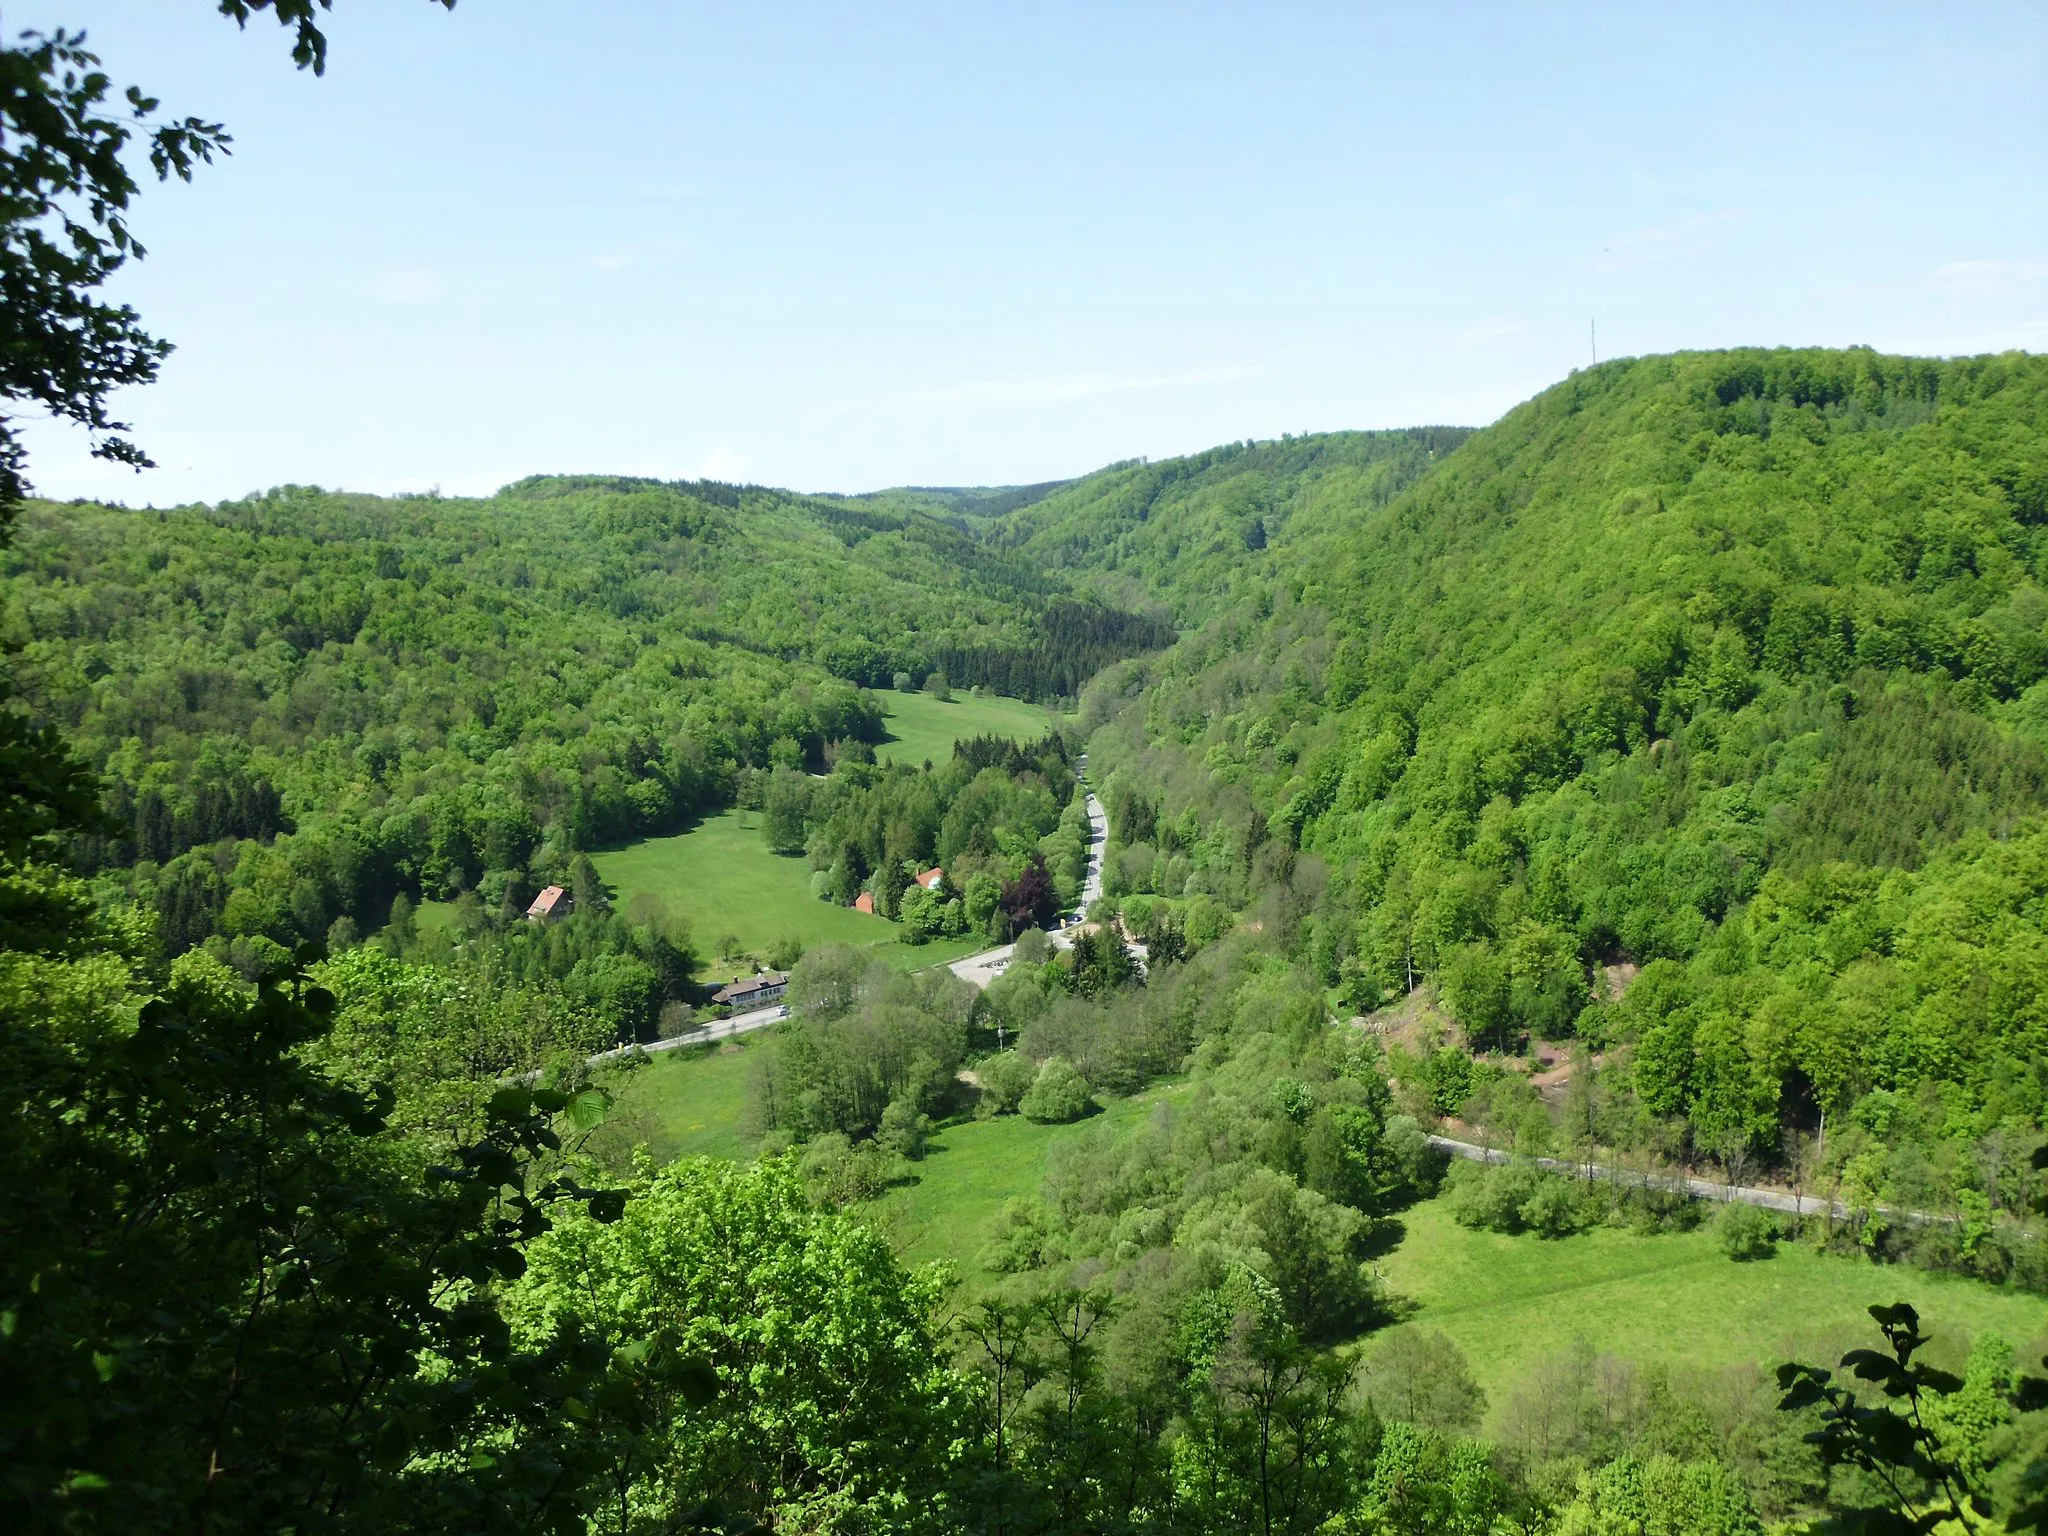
550 904
931 879
752 991
864 902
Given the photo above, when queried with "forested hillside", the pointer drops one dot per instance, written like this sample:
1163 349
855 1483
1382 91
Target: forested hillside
305 704
1729 665
1191 534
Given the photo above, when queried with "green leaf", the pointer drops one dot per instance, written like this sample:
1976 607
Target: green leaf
588 1109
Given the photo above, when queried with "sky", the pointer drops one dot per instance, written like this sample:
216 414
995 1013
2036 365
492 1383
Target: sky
842 247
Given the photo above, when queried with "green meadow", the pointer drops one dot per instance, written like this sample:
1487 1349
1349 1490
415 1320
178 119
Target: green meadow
1670 1298
970 1168
689 1102
922 728
721 877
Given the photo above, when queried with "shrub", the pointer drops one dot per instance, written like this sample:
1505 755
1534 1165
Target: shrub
1552 1209
1513 1197
1057 1095
904 1129
1005 1079
1020 1238
1746 1232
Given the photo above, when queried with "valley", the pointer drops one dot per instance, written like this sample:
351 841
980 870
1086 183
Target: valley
1690 723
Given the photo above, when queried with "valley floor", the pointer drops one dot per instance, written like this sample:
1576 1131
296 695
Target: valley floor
1669 1299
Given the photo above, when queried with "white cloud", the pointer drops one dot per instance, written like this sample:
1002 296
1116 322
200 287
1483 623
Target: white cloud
1488 330
1979 272
658 252
722 463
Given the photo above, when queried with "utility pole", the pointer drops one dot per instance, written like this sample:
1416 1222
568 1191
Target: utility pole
1593 335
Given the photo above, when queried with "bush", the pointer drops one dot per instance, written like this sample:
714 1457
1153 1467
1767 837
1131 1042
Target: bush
904 1129
1005 1079
1552 1208
1058 1094
1746 1232
1513 1197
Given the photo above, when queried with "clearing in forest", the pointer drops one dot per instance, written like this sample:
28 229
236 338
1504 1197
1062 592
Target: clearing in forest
721 876
922 727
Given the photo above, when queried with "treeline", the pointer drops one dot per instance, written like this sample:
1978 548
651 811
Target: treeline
1673 640
1072 642
1194 534
1004 823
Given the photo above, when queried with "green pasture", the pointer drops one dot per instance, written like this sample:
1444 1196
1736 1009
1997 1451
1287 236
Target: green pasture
689 1102
921 728
722 878
1671 1298
969 1169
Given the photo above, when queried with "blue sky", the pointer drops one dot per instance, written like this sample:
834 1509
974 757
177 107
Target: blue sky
844 247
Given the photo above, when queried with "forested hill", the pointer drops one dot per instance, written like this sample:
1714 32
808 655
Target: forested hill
1190 534
306 702
1674 662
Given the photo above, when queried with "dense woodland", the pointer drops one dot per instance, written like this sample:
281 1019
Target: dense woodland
1691 722
1726 666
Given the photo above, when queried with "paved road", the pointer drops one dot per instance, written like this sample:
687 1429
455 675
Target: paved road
716 1029
1704 1189
985 967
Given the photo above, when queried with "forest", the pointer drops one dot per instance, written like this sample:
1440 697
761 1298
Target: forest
1649 783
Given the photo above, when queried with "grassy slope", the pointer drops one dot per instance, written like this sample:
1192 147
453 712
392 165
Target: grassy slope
687 1103
971 1168
921 728
1672 1298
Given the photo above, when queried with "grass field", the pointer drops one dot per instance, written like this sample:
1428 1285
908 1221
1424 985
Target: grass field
1673 1298
721 876
970 1169
688 1102
921 728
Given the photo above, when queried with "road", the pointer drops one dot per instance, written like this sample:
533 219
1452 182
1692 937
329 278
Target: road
983 968
1704 1189
704 1034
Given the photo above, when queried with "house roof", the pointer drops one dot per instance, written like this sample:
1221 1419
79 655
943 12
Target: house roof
744 987
549 901
931 878
864 902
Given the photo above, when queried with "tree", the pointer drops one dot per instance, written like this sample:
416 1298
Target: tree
785 807
1921 1442
833 1406
66 189
1030 901
1058 1094
233 1304
1420 1376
